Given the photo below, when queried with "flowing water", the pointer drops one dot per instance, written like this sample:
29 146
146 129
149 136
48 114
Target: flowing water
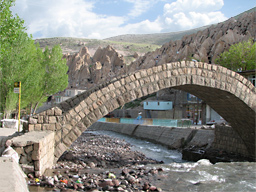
203 176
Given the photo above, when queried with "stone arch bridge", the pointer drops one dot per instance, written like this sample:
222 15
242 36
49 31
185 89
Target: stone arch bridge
228 93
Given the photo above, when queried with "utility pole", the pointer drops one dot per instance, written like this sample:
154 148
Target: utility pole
17 89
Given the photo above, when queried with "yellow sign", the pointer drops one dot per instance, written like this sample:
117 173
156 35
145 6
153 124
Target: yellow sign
17 89
17 84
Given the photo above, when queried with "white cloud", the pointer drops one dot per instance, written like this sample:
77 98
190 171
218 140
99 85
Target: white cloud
75 18
65 18
188 14
140 6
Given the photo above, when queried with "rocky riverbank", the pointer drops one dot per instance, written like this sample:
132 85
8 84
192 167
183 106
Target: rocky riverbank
99 163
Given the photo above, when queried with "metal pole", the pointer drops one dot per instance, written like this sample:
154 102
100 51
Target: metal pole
19 106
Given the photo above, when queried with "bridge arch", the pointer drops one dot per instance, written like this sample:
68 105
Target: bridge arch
228 93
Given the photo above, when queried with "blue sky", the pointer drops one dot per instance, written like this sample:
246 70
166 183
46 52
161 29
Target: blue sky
99 19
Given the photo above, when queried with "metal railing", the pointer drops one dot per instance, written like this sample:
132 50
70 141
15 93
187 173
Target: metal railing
148 121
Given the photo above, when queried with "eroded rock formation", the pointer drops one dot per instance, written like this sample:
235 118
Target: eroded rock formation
85 71
204 45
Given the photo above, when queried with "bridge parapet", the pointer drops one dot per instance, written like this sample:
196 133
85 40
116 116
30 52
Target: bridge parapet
228 93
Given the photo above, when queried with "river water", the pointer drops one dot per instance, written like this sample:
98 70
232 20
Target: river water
180 175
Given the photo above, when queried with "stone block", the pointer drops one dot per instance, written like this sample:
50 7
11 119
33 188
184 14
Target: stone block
87 122
117 84
52 119
46 119
144 91
146 80
32 120
132 85
72 136
72 113
120 101
67 117
127 87
45 126
35 155
99 93
81 114
52 127
149 71
111 87
112 94
92 117
50 112
67 141
161 84
88 101
83 104
57 111
137 75
23 159
78 108
133 78
28 149
105 90
37 166
93 96
58 126
19 150
31 127
115 103
40 119
103 110
78 131
60 149
118 92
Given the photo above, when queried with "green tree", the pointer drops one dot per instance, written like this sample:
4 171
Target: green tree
16 56
42 73
54 76
241 56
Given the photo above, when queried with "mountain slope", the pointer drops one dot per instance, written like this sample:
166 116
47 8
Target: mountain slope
155 38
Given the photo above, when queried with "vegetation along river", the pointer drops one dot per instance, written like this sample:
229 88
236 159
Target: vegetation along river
168 173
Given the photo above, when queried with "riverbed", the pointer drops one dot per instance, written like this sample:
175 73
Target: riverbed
97 153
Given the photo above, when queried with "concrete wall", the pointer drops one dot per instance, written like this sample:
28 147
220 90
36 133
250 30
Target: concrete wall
227 139
221 138
36 151
12 178
174 138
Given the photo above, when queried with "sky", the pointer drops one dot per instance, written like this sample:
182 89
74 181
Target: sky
100 19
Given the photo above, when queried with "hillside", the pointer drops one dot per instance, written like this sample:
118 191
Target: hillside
93 61
73 45
155 38
162 38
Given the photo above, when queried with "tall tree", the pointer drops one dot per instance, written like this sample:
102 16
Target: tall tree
239 57
16 55
54 74
41 73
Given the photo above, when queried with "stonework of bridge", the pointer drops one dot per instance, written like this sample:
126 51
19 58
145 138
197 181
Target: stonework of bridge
231 95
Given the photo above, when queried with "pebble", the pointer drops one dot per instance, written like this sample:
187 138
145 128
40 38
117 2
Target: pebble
77 168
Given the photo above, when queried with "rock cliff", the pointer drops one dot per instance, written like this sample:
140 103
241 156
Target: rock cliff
85 71
204 45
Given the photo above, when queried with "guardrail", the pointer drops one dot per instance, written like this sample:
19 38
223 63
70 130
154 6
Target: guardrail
148 121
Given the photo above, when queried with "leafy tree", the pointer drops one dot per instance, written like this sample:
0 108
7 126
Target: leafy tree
241 56
54 78
16 55
41 73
